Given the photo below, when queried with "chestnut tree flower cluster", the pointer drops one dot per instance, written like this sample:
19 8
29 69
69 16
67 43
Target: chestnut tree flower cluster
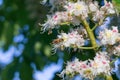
89 68
72 39
109 36
83 13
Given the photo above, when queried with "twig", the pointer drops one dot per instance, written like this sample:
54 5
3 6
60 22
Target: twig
96 25
86 47
90 34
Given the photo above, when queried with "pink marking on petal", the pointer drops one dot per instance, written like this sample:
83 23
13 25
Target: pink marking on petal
103 62
108 4
83 66
115 30
90 65
69 7
73 64
71 35
55 16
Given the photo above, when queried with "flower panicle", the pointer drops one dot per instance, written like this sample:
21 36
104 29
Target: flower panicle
73 39
89 68
74 12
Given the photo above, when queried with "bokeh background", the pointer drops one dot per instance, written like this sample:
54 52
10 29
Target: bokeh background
25 53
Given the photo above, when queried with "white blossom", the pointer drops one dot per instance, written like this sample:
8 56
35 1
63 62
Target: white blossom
78 9
93 7
109 36
72 39
89 69
56 20
108 8
117 50
101 64
98 15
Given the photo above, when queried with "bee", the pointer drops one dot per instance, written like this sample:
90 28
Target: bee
56 41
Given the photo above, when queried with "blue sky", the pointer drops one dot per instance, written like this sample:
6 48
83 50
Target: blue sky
46 74
1 2
7 57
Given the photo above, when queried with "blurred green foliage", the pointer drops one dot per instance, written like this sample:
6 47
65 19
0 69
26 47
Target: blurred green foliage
14 15
117 4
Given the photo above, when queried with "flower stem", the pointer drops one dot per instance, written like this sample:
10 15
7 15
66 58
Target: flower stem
86 47
90 34
65 23
94 27
109 77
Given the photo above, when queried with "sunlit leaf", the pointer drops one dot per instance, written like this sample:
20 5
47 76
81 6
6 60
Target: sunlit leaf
116 4
47 50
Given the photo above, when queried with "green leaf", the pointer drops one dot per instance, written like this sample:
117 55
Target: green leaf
47 51
25 71
9 70
116 4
